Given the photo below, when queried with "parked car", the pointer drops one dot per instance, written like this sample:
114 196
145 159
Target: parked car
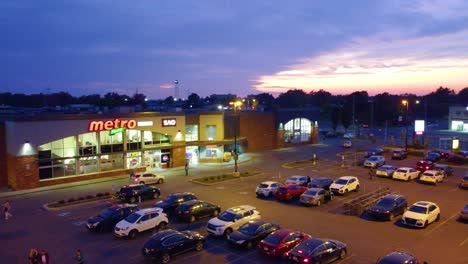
289 192
399 258
424 165
421 214
192 210
267 188
347 144
231 219
173 200
386 171
348 135
315 250
147 178
278 243
432 157
164 244
445 168
315 196
331 134
140 221
463 153
374 161
133 192
298 180
406 174
374 151
250 233
320 183
464 182
399 154
432 176
107 219
443 153
464 213
388 207
344 185
458 158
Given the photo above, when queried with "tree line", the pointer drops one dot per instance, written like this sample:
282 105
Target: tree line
378 109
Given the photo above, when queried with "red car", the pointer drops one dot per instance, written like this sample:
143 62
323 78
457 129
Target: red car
424 165
289 192
278 243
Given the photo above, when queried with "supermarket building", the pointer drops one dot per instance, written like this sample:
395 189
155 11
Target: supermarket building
44 150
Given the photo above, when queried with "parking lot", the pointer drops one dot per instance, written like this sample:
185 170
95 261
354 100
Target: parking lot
62 232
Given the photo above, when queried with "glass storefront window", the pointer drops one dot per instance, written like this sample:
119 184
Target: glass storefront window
111 162
191 133
133 136
65 147
88 165
297 130
88 144
154 138
134 160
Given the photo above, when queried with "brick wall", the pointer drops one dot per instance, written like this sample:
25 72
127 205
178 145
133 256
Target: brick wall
259 129
23 172
3 157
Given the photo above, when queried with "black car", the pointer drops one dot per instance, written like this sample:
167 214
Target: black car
167 243
323 183
443 154
315 250
373 152
192 210
252 232
432 157
388 207
398 258
107 219
134 192
399 154
173 200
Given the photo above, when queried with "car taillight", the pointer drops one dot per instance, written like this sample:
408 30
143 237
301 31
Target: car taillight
287 254
135 180
306 260
154 250
186 212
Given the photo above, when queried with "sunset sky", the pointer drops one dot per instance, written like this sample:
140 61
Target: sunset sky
240 47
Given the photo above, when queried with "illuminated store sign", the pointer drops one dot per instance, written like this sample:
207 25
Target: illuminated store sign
116 131
169 122
100 125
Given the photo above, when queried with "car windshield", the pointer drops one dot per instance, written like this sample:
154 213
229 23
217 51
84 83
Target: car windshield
428 174
106 213
273 239
126 190
341 181
402 170
309 245
385 167
133 218
418 209
171 199
318 181
248 229
386 202
311 192
227 216
184 207
263 185
294 178
372 159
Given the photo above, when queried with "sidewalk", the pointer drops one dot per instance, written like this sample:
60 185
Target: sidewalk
5 193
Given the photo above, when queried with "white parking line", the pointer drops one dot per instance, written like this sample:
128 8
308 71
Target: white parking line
244 193
464 241
440 225
64 214
80 223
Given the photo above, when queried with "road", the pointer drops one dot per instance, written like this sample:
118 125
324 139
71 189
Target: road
62 232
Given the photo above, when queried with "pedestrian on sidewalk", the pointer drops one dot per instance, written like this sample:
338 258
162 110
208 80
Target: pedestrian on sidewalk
33 256
44 257
7 210
371 173
186 168
79 257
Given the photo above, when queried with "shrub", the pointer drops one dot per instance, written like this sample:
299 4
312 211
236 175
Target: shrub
89 196
224 176
205 179
106 194
80 198
212 178
98 194
61 201
71 200
218 178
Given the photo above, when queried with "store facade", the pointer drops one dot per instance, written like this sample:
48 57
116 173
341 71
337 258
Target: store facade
48 150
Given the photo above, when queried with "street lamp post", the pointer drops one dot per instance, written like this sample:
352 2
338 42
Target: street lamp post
235 104
406 103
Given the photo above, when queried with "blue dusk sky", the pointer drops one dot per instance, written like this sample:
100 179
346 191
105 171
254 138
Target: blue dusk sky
240 47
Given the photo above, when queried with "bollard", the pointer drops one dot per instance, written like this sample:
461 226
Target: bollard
315 159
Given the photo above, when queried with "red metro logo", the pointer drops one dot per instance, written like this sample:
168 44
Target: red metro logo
102 125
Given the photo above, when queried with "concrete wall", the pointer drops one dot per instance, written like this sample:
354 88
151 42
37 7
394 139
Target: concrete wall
216 120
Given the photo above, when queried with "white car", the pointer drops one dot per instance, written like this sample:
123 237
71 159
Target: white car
405 173
298 180
347 144
374 161
385 171
432 176
421 214
267 188
348 136
345 184
147 178
231 219
140 221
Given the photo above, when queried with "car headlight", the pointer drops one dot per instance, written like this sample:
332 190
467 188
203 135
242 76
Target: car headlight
95 224
240 241
125 228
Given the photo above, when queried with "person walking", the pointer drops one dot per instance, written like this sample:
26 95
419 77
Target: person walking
44 259
7 210
79 257
371 173
33 256
186 168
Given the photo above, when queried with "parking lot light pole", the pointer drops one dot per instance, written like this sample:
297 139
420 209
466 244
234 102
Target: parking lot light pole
406 103
235 105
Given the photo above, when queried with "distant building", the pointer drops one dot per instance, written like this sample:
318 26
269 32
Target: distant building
458 118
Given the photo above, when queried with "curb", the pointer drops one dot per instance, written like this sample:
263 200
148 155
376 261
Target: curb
241 178
48 208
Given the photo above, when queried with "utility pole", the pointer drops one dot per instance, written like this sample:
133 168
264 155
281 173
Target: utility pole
354 118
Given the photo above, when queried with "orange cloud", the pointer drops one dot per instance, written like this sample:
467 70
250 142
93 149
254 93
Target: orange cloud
166 86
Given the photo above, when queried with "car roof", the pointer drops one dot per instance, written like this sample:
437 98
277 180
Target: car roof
398 257
149 210
404 168
424 203
322 178
298 176
386 166
315 189
441 166
256 222
120 206
181 194
241 208
192 202
392 196
282 232
268 182
163 234
347 177
431 171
